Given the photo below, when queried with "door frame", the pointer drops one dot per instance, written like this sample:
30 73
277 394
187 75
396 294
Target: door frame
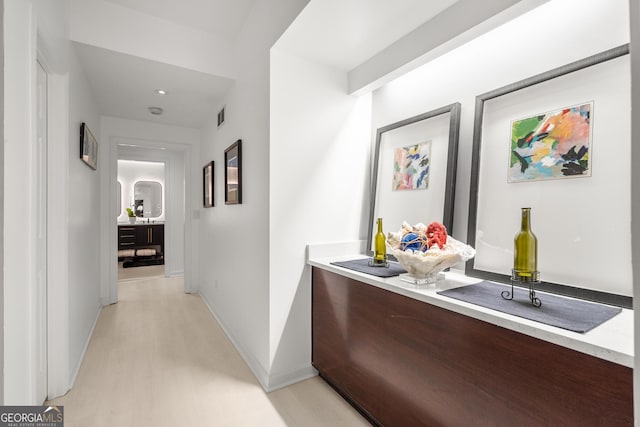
57 191
109 289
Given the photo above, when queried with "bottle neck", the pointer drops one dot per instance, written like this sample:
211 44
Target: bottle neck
379 225
526 220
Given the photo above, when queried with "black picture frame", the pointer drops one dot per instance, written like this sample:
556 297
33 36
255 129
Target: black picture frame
88 147
208 199
433 122
221 117
233 174
493 210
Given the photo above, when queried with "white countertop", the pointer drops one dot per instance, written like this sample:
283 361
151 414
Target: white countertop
612 341
142 223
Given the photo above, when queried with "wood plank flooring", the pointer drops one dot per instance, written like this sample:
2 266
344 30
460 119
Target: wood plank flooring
159 358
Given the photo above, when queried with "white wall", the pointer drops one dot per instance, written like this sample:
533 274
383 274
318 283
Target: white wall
510 53
2 241
132 171
234 245
18 265
319 179
84 212
634 12
179 148
31 26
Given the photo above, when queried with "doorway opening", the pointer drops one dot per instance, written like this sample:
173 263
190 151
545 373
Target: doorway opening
167 230
141 217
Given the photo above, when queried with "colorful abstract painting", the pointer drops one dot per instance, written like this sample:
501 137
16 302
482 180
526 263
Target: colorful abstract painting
411 167
551 145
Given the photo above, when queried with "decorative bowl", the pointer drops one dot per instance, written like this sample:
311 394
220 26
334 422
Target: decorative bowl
423 267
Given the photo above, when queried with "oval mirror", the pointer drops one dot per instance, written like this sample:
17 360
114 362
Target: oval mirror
147 199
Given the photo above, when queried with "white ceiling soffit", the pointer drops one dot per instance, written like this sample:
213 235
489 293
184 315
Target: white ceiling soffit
123 86
455 26
345 33
220 17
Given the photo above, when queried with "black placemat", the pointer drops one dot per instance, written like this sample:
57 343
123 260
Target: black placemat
362 265
567 313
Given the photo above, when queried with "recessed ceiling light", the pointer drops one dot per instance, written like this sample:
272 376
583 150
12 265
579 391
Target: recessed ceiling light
161 91
156 110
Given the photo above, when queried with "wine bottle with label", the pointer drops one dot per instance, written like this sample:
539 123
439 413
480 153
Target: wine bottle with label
380 248
525 251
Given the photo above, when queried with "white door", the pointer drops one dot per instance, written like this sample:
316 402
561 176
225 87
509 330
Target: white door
40 354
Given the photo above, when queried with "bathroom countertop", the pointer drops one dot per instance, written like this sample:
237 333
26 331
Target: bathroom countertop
142 223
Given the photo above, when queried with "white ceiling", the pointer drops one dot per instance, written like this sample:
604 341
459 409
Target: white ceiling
341 33
123 86
345 33
220 17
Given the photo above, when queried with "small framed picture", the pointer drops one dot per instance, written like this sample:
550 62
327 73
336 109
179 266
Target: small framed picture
207 185
88 147
221 117
233 174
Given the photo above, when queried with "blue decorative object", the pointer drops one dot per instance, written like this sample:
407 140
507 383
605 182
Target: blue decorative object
414 242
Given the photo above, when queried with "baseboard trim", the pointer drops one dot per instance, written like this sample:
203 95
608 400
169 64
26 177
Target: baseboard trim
256 368
267 382
76 370
279 381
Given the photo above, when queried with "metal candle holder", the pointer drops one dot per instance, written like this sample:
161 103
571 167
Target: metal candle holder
374 263
530 281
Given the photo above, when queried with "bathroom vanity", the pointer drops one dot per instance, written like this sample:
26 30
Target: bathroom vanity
141 236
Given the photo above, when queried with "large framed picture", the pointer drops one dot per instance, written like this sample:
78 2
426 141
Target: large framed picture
88 147
208 200
414 171
233 174
559 143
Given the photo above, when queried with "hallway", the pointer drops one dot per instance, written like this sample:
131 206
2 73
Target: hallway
159 358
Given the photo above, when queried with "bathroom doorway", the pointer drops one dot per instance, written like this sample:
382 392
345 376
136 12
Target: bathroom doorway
141 214
177 158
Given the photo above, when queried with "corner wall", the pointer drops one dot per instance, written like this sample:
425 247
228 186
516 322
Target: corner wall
234 245
319 179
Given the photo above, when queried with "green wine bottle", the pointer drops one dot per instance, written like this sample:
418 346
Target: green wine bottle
380 249
525 250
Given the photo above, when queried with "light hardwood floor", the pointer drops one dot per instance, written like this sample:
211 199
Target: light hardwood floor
139 272
159 358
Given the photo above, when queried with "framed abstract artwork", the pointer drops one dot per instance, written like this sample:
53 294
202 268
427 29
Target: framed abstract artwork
411 167
559 143
233 174
552 145
415 170
208 200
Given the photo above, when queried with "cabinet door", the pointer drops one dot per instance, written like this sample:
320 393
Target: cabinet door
142 235
156 234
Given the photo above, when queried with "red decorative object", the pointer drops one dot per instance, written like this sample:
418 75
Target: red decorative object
436 234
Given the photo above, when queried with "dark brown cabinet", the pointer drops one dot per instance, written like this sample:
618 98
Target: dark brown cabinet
404 362
141 236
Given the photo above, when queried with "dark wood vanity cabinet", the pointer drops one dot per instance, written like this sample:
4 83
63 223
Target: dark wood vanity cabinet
404 362
141 236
